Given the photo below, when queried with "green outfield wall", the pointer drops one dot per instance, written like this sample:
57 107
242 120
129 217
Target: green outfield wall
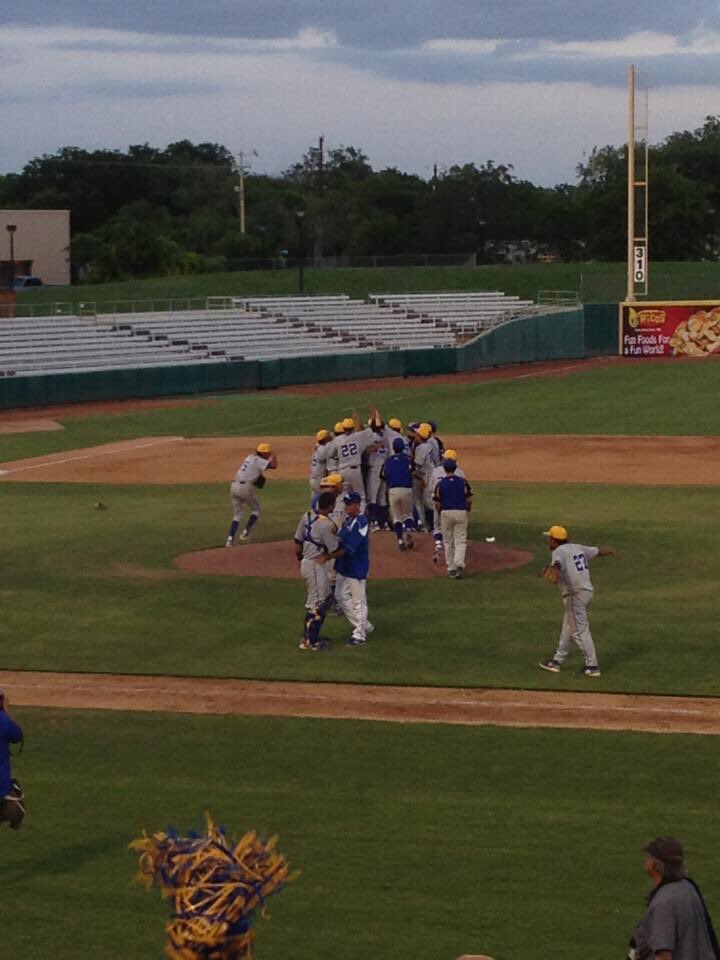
585 332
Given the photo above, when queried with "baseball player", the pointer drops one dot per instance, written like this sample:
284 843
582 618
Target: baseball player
453 498
348 450
423 466
436 445
393 431
331 462
318 460
249 478
437 474
569 568
352 564
374 484
12 799
397 474
316 536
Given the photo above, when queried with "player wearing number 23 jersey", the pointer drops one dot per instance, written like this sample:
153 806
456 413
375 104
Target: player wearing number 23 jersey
570 568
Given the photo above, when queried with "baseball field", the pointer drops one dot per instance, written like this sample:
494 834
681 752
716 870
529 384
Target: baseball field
439 792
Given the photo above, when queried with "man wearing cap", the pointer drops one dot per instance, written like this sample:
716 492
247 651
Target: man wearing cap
318 461
393 432
452 498
248 479
569 568
348 450
423 466
316 536
397 474
11 796
676 924
352 563
374 484
437 475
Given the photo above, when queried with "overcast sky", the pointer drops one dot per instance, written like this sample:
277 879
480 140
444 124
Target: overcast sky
411 82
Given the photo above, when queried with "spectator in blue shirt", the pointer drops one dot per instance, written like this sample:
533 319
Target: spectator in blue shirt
397 474
11 795
452 498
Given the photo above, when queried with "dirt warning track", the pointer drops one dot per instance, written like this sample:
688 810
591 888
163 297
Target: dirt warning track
342 701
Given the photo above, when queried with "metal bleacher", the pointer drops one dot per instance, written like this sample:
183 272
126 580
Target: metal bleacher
256 328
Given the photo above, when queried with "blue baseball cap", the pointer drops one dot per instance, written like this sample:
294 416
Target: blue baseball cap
398 444
352 497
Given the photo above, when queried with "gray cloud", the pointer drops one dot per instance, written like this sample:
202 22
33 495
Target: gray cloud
378 24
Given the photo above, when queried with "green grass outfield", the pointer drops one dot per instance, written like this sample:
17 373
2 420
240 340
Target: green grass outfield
413 841
633 399
68 605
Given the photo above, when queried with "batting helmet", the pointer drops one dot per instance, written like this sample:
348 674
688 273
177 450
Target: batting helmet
263 448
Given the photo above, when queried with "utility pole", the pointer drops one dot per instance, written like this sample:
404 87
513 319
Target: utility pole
319 163
240 188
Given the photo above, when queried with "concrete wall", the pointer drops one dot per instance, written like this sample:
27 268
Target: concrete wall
43 238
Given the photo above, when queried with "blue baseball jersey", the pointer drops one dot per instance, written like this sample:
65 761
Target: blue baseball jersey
10 732
397 470
452 492
354 538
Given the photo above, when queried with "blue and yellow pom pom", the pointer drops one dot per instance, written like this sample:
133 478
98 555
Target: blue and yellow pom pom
216 885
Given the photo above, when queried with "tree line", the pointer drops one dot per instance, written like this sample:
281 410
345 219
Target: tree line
150 212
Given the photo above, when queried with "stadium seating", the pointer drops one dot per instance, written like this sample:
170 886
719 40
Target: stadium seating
260 328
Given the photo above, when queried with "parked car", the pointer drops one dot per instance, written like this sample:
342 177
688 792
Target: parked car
21 282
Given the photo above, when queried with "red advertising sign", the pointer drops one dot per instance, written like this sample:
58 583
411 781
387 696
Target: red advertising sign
688 329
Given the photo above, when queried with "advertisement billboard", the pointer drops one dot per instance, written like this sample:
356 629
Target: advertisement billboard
670 329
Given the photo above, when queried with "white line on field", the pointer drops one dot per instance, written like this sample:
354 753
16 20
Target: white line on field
90 456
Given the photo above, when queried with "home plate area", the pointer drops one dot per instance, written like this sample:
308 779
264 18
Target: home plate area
277 559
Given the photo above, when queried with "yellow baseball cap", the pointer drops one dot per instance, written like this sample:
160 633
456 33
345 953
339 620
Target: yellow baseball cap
332 480
322 435
450 455
338 428
348 423
424 430
395 423
556 532
263 448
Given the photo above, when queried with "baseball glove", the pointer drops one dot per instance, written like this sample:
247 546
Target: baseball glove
260 482
550 573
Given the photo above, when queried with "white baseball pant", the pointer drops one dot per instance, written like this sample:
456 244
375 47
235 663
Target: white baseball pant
576 628
243 495
317 583
454 525
351 594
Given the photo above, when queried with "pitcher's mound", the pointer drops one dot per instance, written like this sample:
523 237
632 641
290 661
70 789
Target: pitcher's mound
277 559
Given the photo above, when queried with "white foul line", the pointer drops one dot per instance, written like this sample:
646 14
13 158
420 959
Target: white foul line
90 456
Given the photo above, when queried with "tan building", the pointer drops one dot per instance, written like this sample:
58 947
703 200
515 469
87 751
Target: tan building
40 242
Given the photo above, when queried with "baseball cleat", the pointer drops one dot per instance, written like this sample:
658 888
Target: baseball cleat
355 641
314 647
553 666
590 671
452 574
244 537
229 542
459 573
401 546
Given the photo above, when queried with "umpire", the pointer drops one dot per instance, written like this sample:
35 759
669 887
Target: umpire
12 807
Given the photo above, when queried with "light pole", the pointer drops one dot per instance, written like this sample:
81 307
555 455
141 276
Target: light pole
481 226
300 222
11 228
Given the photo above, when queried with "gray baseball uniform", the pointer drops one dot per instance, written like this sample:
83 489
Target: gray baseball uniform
318 465
318 535
576 590
422 490
242 489
376 490
348 449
